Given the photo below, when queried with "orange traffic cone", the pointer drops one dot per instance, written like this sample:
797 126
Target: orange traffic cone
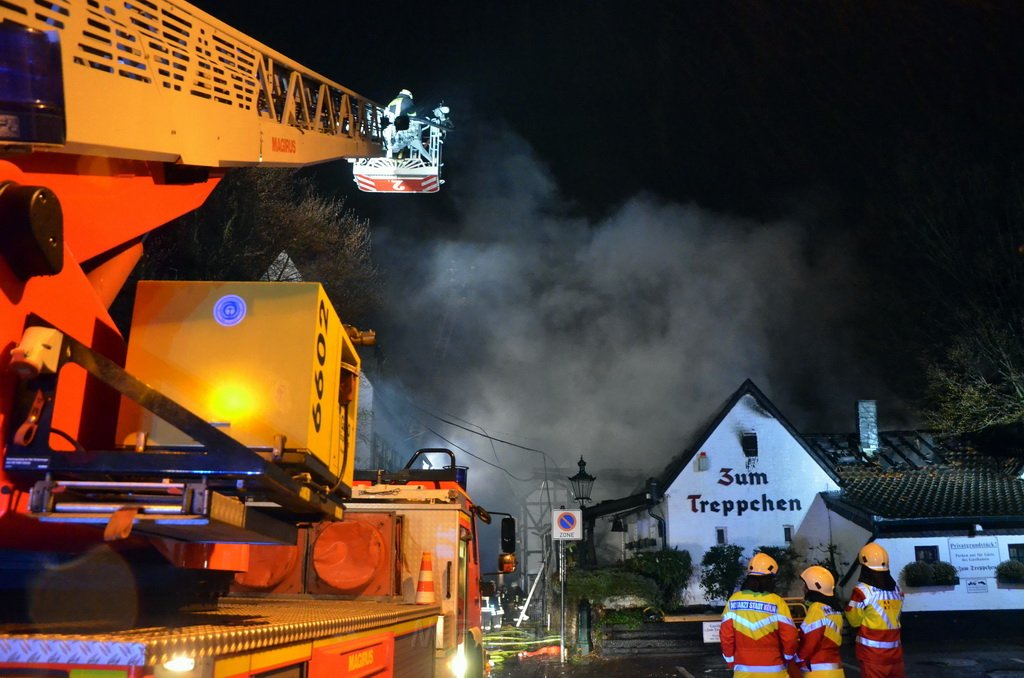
425 585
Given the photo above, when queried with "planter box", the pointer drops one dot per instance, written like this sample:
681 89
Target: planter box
929 589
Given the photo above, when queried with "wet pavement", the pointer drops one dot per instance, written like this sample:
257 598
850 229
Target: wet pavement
941 660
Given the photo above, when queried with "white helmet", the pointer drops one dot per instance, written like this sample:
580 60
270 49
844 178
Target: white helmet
405 92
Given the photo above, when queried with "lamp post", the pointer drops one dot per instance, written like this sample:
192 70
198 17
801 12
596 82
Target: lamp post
582 483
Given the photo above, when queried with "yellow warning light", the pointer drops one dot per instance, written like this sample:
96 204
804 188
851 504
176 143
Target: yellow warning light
180 664
232 401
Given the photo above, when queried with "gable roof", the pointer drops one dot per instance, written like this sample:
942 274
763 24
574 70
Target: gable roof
906 451
938 492
915 476
679 462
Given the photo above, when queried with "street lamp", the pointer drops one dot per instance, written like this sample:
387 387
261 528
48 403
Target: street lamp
582 482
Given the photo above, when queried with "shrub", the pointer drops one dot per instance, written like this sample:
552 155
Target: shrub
918 573
671 569
597 585
944 574
631 618
721 569
1010 572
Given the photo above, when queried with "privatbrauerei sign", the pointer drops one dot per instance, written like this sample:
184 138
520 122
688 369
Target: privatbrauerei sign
974 557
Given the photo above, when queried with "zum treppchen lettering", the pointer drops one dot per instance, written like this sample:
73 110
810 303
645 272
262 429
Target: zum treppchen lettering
740 506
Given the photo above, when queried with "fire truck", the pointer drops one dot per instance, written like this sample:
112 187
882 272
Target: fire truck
185 503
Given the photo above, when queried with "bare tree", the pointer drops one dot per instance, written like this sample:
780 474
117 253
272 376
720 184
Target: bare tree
966 250
270 224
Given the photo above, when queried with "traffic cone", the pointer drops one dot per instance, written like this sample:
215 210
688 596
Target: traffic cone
425 585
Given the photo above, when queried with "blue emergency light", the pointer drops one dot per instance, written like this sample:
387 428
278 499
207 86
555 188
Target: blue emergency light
31 86
229 310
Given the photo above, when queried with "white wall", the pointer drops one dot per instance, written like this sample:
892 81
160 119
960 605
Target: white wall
754 499
822 527
976 591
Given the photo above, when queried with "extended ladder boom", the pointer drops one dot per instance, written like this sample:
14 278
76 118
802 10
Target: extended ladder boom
164 81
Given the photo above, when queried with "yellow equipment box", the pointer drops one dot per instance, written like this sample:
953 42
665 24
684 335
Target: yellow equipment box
256 359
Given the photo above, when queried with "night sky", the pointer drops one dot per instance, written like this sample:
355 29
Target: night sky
646 205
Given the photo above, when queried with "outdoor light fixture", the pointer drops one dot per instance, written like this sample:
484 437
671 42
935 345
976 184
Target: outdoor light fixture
582 483
618 525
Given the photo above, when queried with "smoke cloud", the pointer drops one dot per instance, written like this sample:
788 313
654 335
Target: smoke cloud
616 339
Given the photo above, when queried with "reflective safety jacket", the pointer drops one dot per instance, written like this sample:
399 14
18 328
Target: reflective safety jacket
877 613
757 635
820 638
400 104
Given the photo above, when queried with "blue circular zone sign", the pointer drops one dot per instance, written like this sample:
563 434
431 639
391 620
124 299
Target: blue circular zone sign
567 522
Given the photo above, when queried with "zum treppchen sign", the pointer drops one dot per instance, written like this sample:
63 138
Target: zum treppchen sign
738 507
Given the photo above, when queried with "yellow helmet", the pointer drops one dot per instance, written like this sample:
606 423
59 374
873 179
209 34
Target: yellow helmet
762 563
817 578
874 557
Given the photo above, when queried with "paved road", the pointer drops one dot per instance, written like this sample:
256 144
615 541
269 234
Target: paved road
947 660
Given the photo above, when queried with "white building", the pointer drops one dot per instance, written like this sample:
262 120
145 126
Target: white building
750 479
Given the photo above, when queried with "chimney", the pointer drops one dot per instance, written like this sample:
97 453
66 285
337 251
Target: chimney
867 427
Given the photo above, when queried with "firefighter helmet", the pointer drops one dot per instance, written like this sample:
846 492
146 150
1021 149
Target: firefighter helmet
762 563
817 578
874 557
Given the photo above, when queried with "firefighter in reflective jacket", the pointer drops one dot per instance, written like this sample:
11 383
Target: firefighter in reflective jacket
757 635
874 609
396 140
817 654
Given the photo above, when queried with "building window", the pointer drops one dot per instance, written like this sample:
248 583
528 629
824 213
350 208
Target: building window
787 533
1017 552
748 441
926 554
720 537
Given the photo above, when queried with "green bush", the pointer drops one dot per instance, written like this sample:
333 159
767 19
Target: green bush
944 574
631 618
671 569
721 570
939 573
918 573
597 585
1010 572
